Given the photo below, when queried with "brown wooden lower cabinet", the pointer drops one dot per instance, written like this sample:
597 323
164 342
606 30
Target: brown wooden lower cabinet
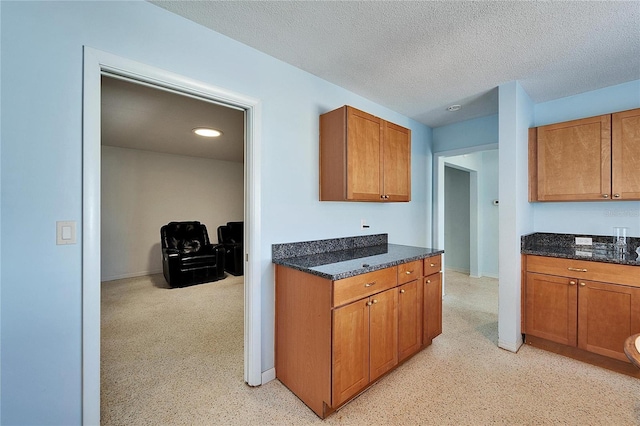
335 338
578 311
432 325
350 358
410 302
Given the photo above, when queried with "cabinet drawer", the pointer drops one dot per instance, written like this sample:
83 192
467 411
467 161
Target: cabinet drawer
432 265
354 288
409 271
584 269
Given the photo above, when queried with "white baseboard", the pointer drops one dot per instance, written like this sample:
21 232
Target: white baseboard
129 275
472 276
510 346
268 375
462 271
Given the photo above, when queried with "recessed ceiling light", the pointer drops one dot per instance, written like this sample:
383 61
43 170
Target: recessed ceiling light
453 108
207 132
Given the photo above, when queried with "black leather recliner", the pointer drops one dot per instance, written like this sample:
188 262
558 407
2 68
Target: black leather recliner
231 236
187 255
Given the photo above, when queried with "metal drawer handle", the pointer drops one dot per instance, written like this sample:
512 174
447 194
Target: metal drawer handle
577 269
432 265
409 272
369 284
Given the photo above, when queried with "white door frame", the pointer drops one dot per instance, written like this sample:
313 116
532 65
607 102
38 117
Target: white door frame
438 199
96 63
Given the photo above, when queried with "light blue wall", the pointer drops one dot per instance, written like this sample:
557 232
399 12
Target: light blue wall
489 213
610 99
597 218
466 134
41 172
516 218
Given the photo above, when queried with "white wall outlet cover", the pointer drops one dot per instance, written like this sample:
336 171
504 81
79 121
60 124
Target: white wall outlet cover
65 232
584 241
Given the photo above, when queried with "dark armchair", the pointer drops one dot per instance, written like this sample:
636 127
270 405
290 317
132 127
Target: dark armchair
231 236
187 255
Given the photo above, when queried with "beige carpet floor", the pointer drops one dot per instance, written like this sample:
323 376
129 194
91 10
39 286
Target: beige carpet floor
175 357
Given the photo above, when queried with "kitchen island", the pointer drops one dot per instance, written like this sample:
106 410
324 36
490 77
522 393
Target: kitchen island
350 310
581 301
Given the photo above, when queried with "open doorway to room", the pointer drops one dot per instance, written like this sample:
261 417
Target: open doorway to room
158 342
470 182
457 213
466 212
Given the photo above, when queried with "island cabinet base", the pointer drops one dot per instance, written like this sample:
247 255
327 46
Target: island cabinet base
334 339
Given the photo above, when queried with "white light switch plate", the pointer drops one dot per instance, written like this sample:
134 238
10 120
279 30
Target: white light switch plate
65 232
584 241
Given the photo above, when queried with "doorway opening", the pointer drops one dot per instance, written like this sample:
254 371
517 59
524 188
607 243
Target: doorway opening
96 64
481 220
466 226
156 170
457 212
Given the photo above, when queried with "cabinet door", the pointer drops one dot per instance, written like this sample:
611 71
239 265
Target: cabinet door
432 308
350 351
607 315
364 174
409 319
396 160
383 332
551 308
625 152
574 160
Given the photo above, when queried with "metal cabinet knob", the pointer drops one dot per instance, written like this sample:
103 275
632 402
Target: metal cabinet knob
572 283
616 195
402 291
605 195
582 284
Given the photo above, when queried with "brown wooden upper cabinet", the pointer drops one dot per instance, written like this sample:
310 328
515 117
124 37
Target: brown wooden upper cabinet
595 158
363 158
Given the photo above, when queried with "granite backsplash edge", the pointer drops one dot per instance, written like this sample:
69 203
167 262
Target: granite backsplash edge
551 239
305 248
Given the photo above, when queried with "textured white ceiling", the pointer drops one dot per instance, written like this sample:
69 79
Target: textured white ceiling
418 57
140 117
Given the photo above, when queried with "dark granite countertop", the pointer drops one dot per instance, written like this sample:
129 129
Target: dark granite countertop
346 257
563 245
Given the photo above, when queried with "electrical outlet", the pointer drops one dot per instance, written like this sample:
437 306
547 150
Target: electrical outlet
584 241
